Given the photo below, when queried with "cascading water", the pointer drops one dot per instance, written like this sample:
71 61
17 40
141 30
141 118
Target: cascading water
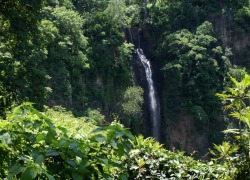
154 105
153 102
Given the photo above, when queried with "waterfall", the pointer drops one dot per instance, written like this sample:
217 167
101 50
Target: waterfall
143 65
154 105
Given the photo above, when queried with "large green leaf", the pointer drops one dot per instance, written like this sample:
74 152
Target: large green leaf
40 137
72 163
13 171
29 173
107 176
52 153
39 159
113 144
104 160
76 176
49 176
123 177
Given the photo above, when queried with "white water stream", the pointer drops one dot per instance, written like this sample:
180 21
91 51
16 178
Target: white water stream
153 100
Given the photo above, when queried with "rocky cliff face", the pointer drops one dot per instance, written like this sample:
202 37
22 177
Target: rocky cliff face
184 135
238 42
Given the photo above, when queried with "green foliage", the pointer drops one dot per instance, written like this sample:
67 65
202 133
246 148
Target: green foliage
131 108
238 94
196 60
237 98
45 57
116 11
35 39
237 72
199 114
123 65
66 45
132 101
50 145
22 15
224 151
110 57
35 146
21 53
55 3
61 117
170 16
241 17
95 117
149 160
132 14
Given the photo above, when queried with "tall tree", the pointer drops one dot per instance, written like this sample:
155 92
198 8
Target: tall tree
196 60
18 34
66 59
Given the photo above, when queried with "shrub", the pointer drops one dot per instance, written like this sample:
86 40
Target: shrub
32 146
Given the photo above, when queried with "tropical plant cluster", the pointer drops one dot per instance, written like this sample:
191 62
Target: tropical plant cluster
36 145
237 149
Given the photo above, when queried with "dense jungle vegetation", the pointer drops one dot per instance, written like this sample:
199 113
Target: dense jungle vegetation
72 106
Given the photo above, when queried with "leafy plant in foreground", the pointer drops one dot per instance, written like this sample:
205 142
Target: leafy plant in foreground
36 145
238 99
148 160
